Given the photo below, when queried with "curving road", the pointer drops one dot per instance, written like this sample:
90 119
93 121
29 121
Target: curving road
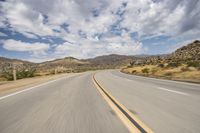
73 105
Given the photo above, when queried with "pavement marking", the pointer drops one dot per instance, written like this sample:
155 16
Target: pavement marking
133 124
163 80
177 92
18 92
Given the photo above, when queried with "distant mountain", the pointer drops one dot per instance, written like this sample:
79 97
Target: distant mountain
65 64
71 64
110 61
99 62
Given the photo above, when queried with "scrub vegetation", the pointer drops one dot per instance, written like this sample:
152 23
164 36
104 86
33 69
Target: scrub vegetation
183 64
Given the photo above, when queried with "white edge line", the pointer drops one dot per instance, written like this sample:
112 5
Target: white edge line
165 80
161 88
24 90
178 92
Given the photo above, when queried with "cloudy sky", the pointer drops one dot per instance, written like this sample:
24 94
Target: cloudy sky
39 30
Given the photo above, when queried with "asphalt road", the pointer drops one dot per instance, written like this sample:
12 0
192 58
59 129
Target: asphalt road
73 105
165 106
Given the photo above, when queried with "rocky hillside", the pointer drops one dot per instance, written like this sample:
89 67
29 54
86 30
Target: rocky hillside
6 63
183 64
4 60
67 64
190 51
72 64
23 68
189 54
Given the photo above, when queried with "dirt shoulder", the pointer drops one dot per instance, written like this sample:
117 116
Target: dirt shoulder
180 73
7 87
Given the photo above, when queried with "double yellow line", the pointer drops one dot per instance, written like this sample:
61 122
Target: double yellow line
133 124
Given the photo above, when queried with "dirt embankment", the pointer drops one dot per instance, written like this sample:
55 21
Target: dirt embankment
181 73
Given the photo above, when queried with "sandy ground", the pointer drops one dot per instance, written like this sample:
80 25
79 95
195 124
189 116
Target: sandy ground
7 87
191 75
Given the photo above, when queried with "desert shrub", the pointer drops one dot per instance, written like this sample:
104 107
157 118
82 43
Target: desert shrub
168 74
161 65
131 63
193 64
173 64
8 74
129 66
134 71
184 69
37 74
25 74
154 70
145 70
51 72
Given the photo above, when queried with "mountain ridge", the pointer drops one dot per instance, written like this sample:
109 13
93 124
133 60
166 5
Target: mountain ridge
70 64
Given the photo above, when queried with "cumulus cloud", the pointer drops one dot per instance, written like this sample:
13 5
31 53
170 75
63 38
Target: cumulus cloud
144 17
163 17
85 48
101 26
19 46
23 19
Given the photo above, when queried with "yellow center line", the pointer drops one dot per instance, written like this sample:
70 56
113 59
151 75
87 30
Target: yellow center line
133 124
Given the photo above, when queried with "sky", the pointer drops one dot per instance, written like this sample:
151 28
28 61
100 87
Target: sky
41 30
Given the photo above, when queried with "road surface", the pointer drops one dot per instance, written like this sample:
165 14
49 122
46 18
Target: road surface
73 105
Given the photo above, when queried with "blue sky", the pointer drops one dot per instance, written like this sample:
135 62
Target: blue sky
36 31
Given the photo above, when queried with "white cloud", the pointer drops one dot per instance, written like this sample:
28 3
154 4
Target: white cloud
35 18
24 19
142 16
85 48
163 17
35 48
29 35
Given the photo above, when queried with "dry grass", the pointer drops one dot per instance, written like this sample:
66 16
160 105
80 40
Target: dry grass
178 73
138 68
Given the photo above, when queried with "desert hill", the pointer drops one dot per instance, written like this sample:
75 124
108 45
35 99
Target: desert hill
190 51
188 55
182 64
67 64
